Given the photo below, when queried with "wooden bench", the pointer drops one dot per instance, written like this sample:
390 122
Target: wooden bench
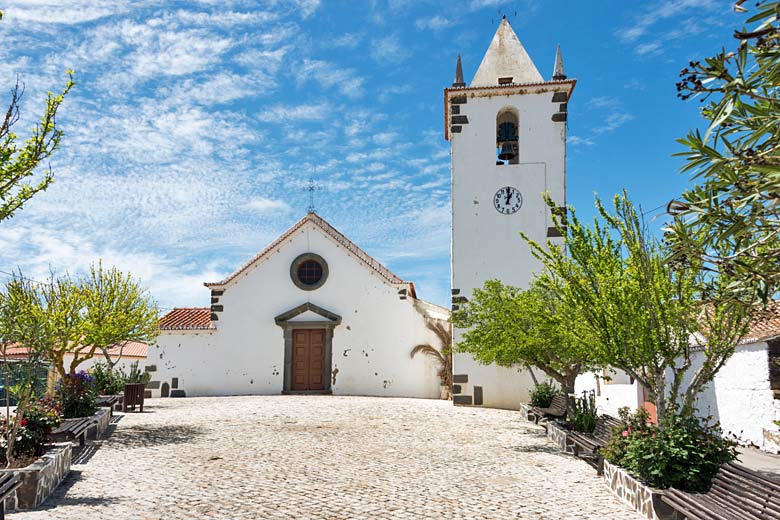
107 401
594 442
73 429
556 409
9 481
737 493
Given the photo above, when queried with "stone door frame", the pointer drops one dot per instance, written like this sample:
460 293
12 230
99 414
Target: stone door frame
328 322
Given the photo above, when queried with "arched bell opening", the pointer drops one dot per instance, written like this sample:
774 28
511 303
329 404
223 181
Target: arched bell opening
507 150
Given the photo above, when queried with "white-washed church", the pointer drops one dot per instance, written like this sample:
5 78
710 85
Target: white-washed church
314 313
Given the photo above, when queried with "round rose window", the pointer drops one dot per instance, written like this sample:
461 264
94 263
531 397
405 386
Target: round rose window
309 271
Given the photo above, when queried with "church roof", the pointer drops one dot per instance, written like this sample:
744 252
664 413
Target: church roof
505 58
186 318
331 232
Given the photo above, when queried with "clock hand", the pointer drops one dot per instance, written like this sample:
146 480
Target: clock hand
508 195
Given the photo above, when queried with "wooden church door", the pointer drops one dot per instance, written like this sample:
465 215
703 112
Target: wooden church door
308 359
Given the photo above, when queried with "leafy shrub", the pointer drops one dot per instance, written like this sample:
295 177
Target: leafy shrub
542 395
637 422
38 420
136 375
684 453
24 445
108 380
41 417
583 416
78 395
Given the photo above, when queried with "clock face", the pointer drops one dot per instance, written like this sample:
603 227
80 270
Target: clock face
507 200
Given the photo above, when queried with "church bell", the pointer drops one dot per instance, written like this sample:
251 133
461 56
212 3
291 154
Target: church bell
507 153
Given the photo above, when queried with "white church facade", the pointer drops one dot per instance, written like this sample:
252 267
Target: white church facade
311 313
507 134
314 313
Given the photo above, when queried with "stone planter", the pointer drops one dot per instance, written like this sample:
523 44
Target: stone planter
558 435
643 499
40 478
771 441
103 419
525 409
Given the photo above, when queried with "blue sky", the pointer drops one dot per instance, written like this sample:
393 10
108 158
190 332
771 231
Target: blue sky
195 126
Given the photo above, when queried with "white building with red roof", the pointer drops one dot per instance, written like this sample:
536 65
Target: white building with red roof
311 313
744 397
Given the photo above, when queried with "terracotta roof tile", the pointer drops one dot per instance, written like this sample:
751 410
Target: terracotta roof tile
765 326
187 318
132 349
329 230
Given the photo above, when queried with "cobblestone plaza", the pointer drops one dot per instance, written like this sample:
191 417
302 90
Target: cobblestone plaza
307 457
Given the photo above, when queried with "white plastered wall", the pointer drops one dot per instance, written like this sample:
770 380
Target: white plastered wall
245 354
485 243
123 363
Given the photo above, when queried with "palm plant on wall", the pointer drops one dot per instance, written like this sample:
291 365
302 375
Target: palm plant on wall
443 354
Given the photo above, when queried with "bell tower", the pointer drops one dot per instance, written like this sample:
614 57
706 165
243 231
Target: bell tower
507 134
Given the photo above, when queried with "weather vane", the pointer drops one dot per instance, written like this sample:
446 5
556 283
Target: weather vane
311 188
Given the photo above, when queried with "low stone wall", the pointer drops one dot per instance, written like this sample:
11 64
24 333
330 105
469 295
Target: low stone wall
525 410
40 478
643 499
103 417
557 434
771 441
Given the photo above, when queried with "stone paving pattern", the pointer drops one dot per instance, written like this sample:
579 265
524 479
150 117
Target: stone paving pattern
306 457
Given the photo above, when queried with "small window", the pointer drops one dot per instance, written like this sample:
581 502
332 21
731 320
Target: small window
507 139
309 271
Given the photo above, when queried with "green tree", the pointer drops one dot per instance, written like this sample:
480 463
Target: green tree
91 314
529 328
20 161
729 221
642 311
22 324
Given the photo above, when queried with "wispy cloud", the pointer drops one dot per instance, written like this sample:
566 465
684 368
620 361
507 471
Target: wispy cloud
649 38
613 121
265 205
73 12
330 75
575 140
434 23
602 102
389 49
345 41
290 113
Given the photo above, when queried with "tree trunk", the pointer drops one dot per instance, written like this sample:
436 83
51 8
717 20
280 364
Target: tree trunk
533 376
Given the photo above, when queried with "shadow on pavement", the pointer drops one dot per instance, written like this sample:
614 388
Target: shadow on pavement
536 449
60 496
145 436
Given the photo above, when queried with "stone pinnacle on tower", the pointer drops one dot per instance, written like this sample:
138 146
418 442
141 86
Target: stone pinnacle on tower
459 81
558 74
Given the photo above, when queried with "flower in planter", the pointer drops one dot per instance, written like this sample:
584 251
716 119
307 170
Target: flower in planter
78 395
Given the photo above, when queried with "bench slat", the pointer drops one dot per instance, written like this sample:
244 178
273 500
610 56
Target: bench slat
737 493
690 508
731 503
745 485
9 484
749 498
753 476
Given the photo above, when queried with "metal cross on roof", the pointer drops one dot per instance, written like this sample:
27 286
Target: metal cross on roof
311 188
